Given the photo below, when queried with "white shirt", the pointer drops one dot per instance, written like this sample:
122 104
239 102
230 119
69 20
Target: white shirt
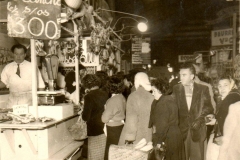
22 83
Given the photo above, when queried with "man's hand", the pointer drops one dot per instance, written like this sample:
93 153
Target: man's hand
210 119
218 140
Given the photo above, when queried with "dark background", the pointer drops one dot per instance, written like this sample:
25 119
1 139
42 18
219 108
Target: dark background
177 27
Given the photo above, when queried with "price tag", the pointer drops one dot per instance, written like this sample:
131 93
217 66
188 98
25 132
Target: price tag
34 19
20 109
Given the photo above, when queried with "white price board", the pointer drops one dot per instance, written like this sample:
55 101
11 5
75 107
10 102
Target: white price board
20 109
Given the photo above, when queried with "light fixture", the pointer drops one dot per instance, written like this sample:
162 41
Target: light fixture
142 26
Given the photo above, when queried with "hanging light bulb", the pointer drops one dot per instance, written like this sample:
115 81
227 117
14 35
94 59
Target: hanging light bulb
142 27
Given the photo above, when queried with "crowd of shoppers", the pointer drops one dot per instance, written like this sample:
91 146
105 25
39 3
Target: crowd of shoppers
123 109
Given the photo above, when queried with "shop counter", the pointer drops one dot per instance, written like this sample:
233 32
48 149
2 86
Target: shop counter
38 140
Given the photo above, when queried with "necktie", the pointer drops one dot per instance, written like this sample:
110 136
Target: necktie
18 71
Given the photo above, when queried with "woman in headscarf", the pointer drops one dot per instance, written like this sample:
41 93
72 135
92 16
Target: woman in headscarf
229 95
138 112
94 102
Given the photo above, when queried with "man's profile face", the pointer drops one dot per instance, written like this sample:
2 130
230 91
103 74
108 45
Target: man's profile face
19 55
186 76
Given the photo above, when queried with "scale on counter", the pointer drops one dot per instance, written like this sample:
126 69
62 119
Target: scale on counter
51 96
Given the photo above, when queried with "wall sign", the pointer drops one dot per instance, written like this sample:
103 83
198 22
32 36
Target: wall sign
186 58
141 50
88 58
34 19
222 37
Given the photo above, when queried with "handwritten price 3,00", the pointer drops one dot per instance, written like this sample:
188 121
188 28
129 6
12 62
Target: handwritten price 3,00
19 22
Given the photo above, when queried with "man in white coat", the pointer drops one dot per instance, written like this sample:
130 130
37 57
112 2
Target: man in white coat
17 76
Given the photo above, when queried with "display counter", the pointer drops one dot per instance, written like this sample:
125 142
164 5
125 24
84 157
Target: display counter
38 140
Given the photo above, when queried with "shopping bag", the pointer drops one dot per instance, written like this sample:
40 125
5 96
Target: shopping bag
78 131
158 152
126 153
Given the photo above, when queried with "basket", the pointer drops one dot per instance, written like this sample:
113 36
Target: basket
126 153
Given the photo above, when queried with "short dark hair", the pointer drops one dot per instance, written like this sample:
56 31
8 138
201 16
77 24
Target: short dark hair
91 80
161 85
19 46
103 76
115 85
225 76
188 66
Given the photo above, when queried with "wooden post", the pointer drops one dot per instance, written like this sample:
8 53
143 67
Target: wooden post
77 77
76 39
34 76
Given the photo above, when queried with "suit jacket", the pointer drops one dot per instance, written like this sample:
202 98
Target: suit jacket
200 107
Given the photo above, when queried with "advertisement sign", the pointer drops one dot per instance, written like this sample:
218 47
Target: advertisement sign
34 19
186 58
141 50
222 37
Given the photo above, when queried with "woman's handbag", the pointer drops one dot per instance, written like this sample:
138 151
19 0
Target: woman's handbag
158 152
78 131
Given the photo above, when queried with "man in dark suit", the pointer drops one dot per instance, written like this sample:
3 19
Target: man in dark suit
194 103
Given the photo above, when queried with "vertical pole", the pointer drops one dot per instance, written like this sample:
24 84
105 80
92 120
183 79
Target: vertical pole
76 40
77 77
234 36
34 76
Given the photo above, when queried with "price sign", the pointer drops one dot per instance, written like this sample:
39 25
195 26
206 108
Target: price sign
34 19
20 109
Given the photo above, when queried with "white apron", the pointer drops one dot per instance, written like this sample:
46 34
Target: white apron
20 91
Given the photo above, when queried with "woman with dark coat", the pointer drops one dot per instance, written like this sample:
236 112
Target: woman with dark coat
164 121
94 102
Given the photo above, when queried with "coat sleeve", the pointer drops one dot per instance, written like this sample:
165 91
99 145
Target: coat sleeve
207 107
110 110
88 103
131 119
161 117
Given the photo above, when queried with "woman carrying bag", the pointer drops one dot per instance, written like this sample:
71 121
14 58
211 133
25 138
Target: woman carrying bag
164 121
